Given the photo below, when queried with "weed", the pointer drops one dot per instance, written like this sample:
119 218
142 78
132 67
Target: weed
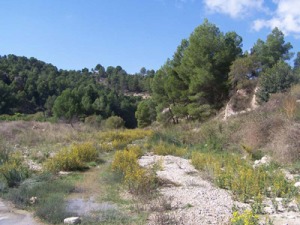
245 218
52 209
165 149
73 158
231 172
138 180
13 170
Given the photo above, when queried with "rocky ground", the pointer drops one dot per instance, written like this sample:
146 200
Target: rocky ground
185 198
193 200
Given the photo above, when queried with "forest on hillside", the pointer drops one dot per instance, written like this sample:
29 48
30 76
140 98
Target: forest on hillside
28 85
204 72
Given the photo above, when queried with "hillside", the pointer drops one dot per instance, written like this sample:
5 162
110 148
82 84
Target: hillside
28 86
217 143
245 168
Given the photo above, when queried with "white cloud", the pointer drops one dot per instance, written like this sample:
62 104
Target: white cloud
286 17
234 8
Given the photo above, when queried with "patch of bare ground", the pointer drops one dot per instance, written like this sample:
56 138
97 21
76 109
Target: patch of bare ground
188 199
12 216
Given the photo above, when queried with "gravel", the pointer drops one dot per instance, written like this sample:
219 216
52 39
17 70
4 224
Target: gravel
192 199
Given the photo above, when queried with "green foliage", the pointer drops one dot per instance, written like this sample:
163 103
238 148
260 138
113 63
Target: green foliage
275 79
67 105
72 158
49 192
245 218
233 173
138 180
164 149
124 137
273 50
243 69
52 209
13 169
145 113
28 86
114 122
194 83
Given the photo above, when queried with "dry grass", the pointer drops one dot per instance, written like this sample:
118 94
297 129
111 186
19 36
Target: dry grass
271 129
38 139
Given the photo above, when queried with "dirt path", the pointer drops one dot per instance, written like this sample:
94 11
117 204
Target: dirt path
192 200
11 216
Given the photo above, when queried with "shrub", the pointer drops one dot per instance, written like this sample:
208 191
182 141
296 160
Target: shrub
93 120
14 170
145 113
163 149
52 209
114 122
290 106
39 186
232 172
72 158
245 218
138 180
120 139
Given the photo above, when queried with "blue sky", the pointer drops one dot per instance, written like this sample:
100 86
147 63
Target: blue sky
73 34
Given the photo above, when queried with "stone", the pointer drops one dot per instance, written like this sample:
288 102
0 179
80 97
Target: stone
292 206
269 210
297 184
72 220
33 200
263 161
62 173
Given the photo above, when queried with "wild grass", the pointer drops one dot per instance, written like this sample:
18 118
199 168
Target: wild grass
139 181
118 139
49 191
13 170
75 157
236 174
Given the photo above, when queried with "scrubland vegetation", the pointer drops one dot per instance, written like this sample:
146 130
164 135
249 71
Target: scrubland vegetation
74 121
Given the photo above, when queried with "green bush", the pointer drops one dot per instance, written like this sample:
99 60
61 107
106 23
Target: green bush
72 158
114 122
93 120
40 186
14 171
233 173
164 149
52 209
138 180
245 218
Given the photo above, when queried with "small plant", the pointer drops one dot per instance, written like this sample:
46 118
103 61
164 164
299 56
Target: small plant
233 173
245 218
164 149
14 170
257 206
114 122
290 106
52 209
117 139
137 179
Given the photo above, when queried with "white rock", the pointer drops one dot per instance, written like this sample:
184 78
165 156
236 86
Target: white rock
269 210
297 184
72 220
292 206
33 200
63 173
263 161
